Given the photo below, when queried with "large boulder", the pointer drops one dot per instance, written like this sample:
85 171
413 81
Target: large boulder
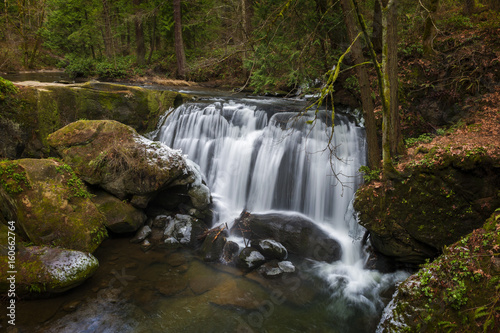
438 199
49 205
121 217
298 234
457 292
47 270
43 108
113 156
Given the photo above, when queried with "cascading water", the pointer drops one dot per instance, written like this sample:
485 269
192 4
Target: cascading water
257 159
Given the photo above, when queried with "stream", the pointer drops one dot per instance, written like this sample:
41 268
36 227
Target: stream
255 155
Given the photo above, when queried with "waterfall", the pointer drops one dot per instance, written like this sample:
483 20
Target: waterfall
257 159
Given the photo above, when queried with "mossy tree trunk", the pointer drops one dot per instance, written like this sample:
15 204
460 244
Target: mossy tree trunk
429 27
364 85
387 82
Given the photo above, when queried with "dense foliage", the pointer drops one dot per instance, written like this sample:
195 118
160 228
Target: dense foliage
277 45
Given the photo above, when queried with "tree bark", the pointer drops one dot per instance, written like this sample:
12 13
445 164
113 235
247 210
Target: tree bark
391 139
469 7
429 28
179 44
139 34
108 38
364 85
377 27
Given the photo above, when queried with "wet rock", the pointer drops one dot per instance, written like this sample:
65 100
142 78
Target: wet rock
286 266
160 221
297 233
176 259
71 306
146 245
230 252
47 270
171 287
270 249
270 269
250 258
121 217
239 294
141 235
184 229
213 245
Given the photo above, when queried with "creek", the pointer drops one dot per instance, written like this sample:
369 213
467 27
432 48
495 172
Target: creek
255 155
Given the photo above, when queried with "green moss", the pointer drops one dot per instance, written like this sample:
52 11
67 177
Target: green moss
13 177
459 291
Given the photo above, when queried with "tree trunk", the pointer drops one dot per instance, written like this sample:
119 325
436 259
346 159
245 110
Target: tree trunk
391 139
364 85
377 27
139 34
108 38
429 28
179 45
469 7
152 39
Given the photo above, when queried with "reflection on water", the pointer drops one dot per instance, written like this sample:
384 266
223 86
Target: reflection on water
51 76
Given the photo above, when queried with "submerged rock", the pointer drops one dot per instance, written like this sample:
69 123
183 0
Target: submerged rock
297 233
50 205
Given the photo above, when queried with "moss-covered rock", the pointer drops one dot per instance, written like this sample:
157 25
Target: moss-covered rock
434 203
458 292
45 108
47 270
113 156
49 204
121 216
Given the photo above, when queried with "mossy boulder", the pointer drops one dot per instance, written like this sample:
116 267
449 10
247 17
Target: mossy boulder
47 270
116 158
49 204
458 292
44 108
121 216
434 203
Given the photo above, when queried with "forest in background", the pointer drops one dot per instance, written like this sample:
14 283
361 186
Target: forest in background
274 45
444 51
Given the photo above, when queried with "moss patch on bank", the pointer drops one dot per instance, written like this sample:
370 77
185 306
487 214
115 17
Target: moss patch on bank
458 292
41 109
440 197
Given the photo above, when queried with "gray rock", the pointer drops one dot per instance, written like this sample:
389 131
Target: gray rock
297 233
271 249
250 258
141 235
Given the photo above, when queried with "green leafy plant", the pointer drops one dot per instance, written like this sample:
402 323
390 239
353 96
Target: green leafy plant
369 174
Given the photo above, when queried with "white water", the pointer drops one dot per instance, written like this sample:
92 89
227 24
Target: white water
260 163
